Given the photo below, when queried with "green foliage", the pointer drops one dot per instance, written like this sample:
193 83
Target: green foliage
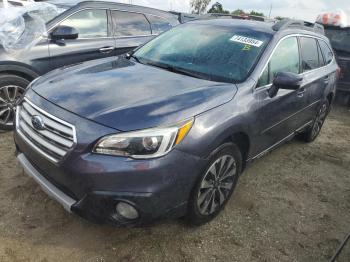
256 13
199 6
279 18
238 12
218 9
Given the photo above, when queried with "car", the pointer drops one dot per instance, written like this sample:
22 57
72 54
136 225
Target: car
340 41
83 31
166 130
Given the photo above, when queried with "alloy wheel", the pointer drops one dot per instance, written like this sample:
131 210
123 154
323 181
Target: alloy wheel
9 96
216 185
321 117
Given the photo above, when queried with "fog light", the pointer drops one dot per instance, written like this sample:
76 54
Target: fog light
126 211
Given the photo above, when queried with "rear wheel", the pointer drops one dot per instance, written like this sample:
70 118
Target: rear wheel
311 134
216 185
12 88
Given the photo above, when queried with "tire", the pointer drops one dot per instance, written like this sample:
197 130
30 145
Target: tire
12 88
312 133
209 191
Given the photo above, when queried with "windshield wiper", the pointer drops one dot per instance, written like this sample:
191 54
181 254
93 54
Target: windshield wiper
178 70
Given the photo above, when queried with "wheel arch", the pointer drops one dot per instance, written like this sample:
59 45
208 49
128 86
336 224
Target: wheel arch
19 70
330 97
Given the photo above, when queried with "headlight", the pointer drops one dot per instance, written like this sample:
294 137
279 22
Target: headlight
147 143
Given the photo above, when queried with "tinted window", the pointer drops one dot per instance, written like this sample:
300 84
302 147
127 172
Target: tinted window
212 52
284 59
89 23
131 24
158 24
309 53
327 52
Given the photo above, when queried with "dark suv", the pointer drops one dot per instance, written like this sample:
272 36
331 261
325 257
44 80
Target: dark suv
84 31
340 40
167 130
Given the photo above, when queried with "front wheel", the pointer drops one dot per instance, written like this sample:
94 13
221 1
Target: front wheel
12 88
216 185
312 133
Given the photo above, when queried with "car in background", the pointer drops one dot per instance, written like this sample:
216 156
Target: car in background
340 40
83 31
167 130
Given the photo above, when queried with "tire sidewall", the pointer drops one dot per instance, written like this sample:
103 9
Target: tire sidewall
7 79
311 137
194 216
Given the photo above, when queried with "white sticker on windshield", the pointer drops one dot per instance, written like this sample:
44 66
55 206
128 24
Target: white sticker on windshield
246 40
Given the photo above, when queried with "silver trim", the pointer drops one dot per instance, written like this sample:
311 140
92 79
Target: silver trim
66 201
49 120
54 118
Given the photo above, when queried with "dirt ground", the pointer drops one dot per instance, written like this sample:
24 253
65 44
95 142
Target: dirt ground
291 205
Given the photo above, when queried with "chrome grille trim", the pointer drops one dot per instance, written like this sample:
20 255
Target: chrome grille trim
53 142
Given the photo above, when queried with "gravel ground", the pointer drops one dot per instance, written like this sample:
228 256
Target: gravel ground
291 205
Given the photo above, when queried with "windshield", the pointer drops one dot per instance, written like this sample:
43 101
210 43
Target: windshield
340 38
216 53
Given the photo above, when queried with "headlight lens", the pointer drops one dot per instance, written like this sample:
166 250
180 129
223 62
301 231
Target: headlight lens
147 143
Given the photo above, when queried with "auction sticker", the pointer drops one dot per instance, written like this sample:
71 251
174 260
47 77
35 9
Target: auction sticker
246 40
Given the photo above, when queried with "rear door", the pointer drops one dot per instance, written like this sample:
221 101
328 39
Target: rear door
130 30
315 74
94 40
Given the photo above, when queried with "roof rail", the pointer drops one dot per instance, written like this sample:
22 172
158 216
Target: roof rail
291 23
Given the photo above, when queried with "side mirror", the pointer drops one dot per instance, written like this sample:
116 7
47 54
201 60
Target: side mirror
64 32
285 80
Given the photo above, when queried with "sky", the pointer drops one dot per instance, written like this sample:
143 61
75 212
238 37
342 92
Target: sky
307 10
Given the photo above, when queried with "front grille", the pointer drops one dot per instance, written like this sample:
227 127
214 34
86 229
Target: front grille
53 140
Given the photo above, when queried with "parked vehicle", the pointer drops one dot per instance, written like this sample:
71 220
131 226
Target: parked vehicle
340 41
167 130
84 31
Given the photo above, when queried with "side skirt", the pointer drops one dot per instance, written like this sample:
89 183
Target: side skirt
279 143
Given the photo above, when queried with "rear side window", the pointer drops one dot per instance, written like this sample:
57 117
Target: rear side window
89 23
130 24
284 59
327 52
309 54
158 24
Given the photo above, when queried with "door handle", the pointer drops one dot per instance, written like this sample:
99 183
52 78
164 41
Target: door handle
301 92
106 50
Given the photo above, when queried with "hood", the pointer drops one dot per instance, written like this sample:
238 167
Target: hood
126 95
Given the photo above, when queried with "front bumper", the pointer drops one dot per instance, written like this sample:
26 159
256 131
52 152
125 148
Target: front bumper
66 201
91 185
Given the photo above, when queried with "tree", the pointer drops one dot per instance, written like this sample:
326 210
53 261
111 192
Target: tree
199 6
238 12
279 18
256 13
218 9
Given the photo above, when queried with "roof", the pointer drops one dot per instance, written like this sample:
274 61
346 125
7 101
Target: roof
246 24
111 4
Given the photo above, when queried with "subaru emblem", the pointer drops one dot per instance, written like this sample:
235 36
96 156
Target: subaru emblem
38 123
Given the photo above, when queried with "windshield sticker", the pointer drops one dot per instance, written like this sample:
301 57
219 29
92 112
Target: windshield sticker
246 40
246 48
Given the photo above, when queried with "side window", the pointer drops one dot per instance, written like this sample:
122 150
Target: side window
327 52
284 59
158 24
89 23
309 53
130 24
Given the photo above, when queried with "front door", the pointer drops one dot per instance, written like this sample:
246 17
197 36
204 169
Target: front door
94 39
278 117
